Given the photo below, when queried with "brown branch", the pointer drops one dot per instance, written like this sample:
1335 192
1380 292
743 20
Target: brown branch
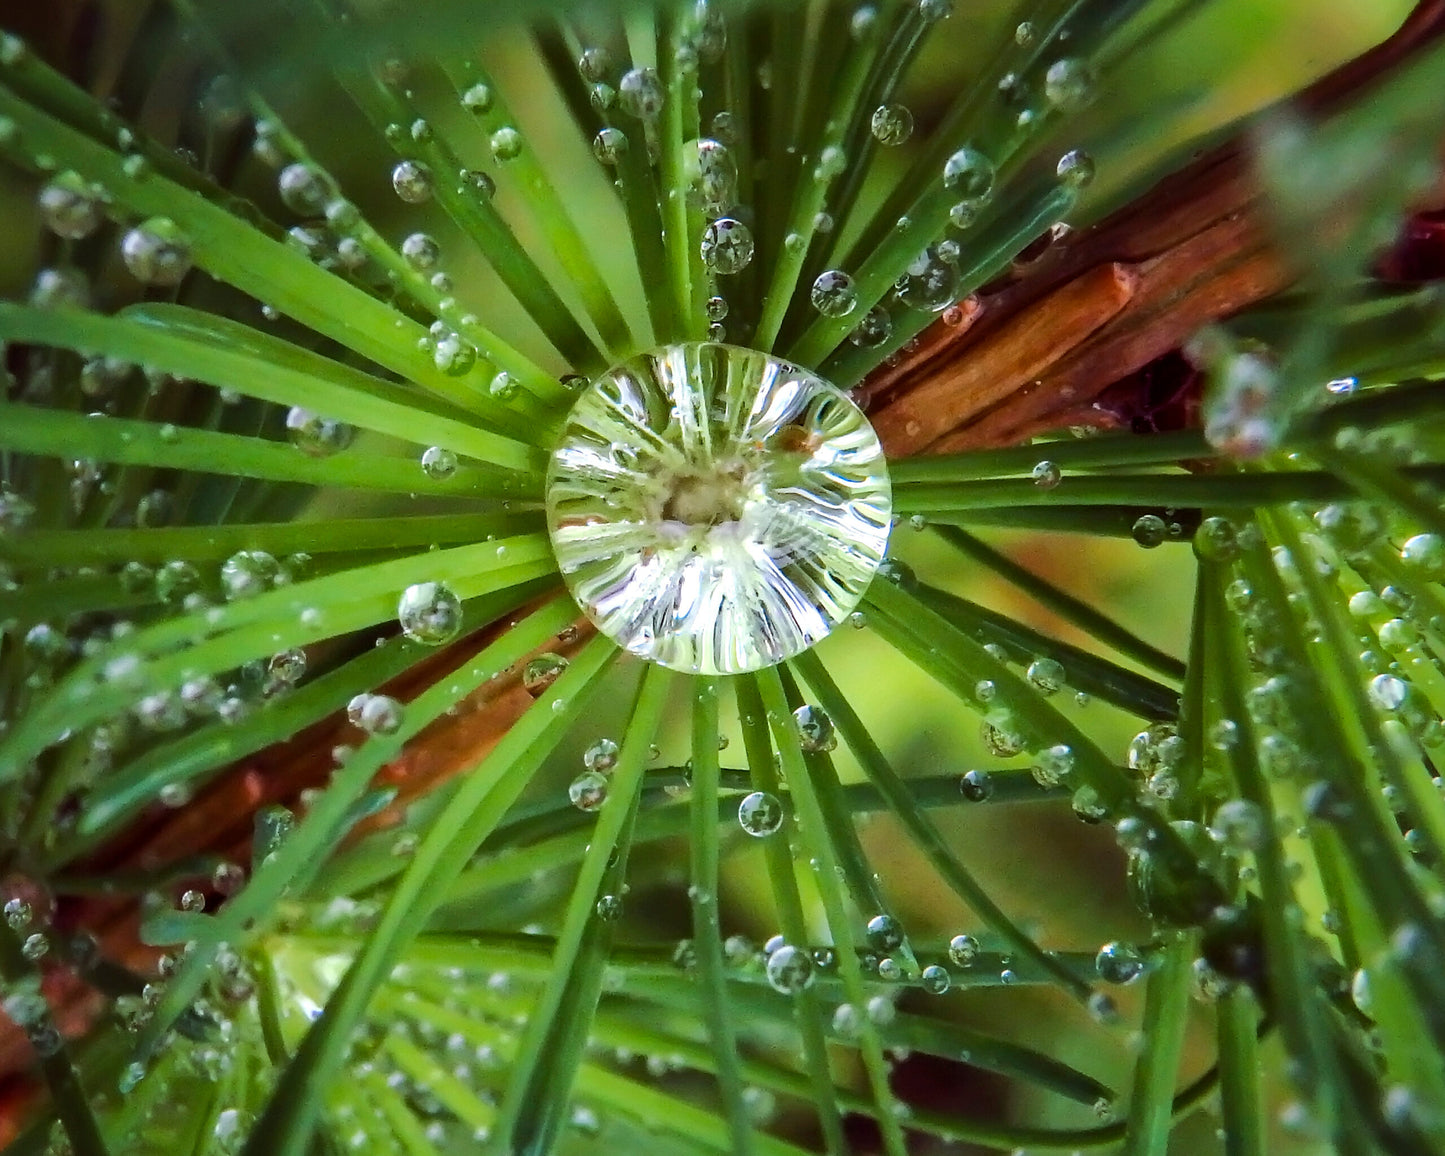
1194 249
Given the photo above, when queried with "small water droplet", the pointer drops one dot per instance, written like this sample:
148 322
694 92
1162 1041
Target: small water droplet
963 950
156 252
70 207
790 969
891 124
430 613
1119 963
588 791
640 93
412 181
833 293
760 814
727 246
438 463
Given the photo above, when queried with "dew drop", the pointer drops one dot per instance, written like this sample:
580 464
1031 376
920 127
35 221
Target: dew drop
1075 169
1150 530
506 143
430 613
70 207
248 573
601 756
879 1008
969 175
1240 825
156 252
1003 743
1069 84
438 463
452 355
177 579
412 181
760 814
1216 540
503 386
1046 675
679 469
303 189
935 979
727 246
833 293
541 672
588 791
376 714
815 729
711 176
314 435
1388 692
891 125
609 145
963 950
1424 554
929 284
640 93
847 1023
1119 963
1046 475
790 969
884 933
595 65
875 328
421 251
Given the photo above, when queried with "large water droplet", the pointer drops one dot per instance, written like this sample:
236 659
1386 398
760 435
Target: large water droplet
716 510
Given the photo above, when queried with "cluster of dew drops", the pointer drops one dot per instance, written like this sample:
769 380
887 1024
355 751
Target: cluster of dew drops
727 247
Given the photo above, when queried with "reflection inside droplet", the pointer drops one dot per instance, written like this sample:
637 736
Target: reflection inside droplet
716 510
